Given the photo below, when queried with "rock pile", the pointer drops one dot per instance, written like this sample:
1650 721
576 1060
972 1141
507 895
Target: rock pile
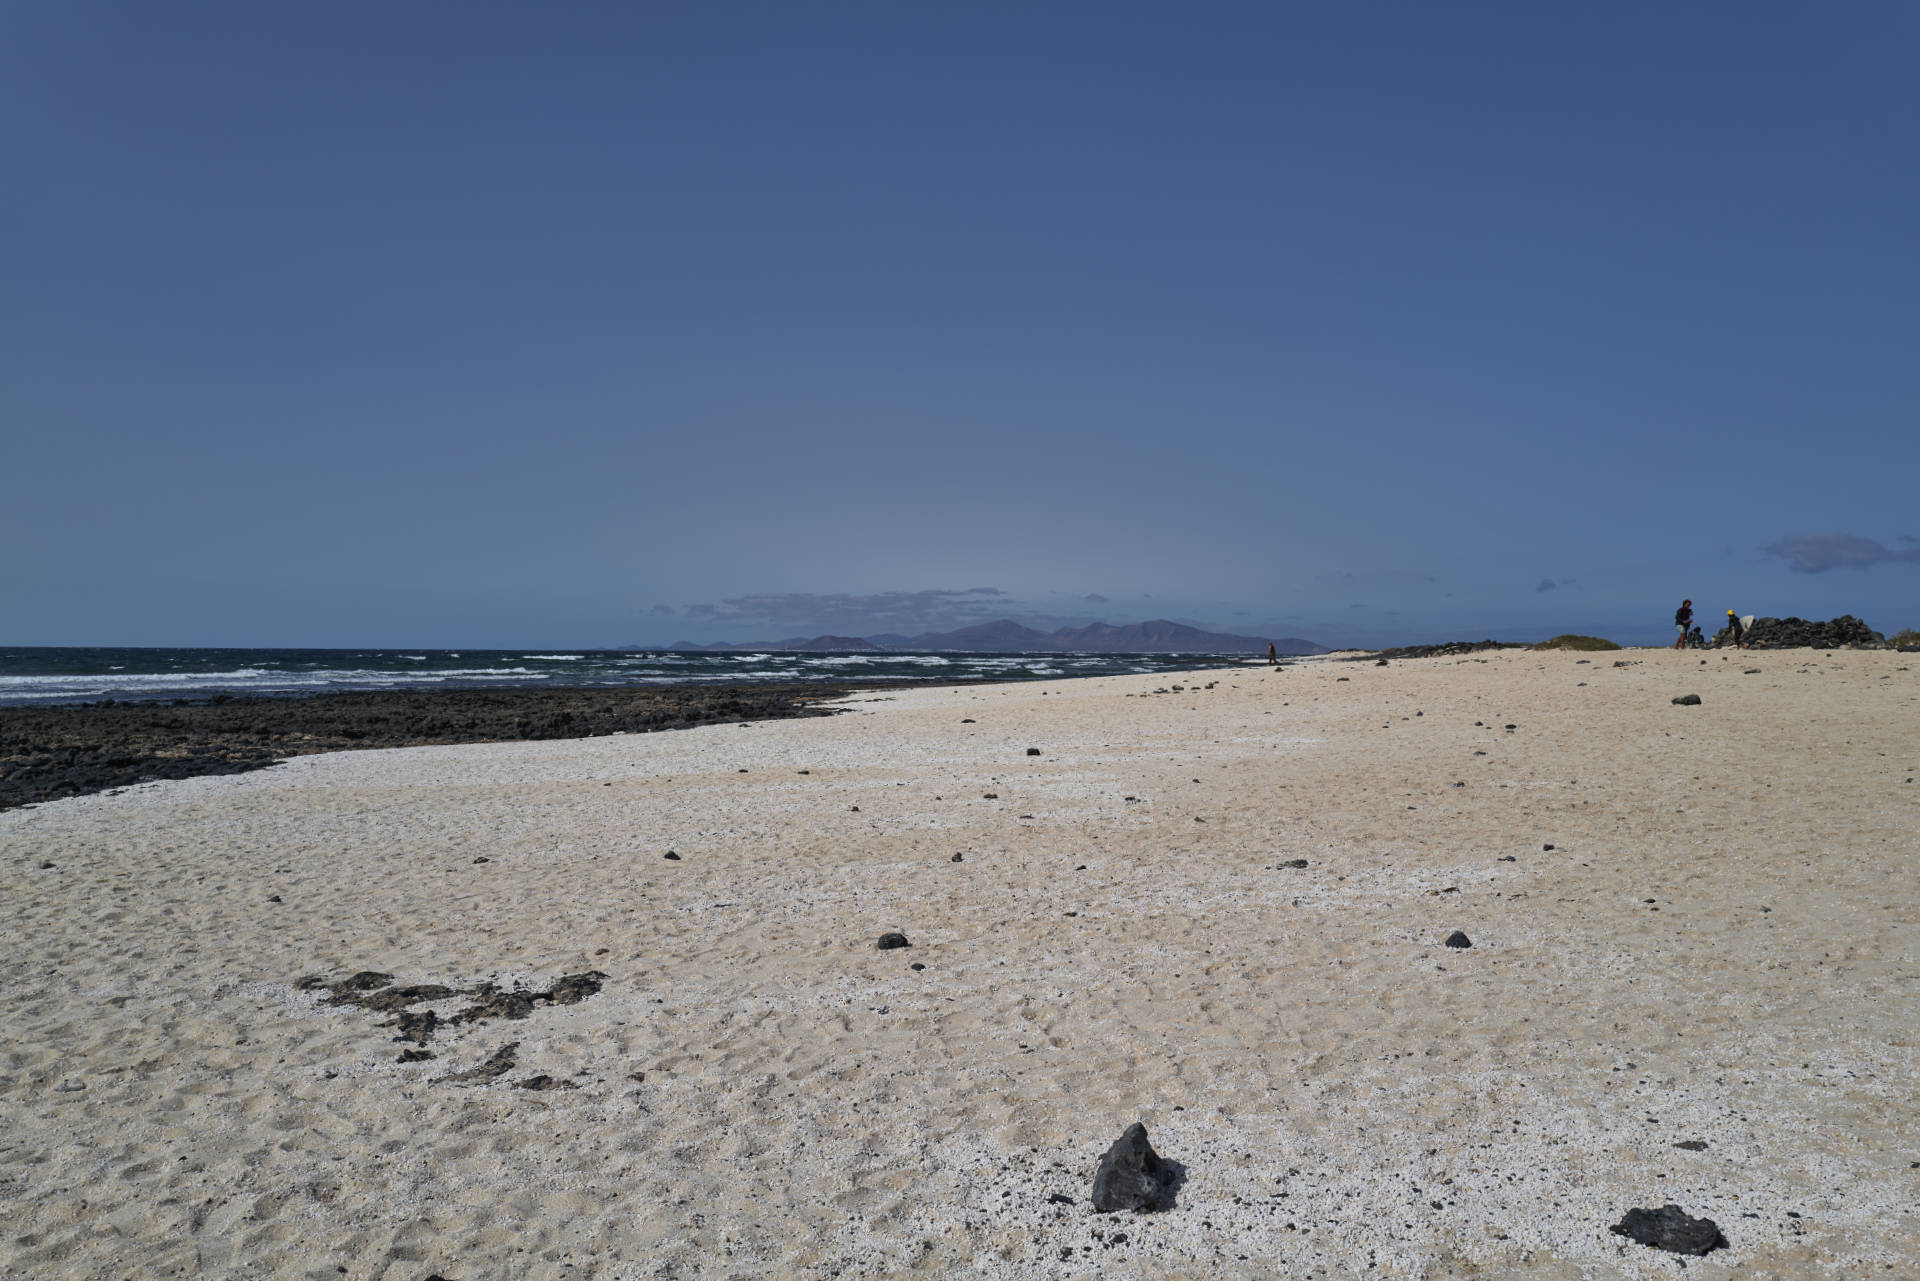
1800 633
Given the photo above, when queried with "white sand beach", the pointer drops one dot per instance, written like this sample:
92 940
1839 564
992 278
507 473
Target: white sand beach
1689 925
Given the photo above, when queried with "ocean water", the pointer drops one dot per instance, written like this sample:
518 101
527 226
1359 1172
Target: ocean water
73 675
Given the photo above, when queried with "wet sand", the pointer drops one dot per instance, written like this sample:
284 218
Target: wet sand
1720 948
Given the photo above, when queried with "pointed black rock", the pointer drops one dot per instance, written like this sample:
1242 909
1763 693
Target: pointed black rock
1670 1228
1458 939
1131 1175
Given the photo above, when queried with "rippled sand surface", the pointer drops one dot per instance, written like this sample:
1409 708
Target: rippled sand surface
1720 947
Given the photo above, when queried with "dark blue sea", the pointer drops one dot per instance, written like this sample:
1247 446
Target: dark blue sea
73 675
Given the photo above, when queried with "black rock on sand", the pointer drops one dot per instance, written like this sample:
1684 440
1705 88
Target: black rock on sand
1132 1176
1670 1228
47 753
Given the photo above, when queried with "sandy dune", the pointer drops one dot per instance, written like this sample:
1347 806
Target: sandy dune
1721 945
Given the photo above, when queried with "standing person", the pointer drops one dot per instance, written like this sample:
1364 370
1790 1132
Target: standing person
1273 658
1682 620
1737 633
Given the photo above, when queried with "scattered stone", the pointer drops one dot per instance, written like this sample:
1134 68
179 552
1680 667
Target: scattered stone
46 866
571 989
1508 858
1057 1198
495 1004
891 940
387 1000
545 1082
1379 662
273 898
483 859
1692 1145
345 990
416 1026
1670 1228
1291 862
1458 939
957 859
498 1065
806 771
415 1056
1546 847
968 720
1033 751
672 857
1131 1175
1687 700
989 796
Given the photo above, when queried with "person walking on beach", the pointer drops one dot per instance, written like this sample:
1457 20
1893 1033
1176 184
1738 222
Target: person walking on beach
1682 620
1273 656
1736 633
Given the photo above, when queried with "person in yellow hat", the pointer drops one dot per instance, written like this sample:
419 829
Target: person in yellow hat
1738 633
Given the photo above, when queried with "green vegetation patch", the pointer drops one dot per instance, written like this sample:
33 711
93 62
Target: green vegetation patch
1573 641
1911 636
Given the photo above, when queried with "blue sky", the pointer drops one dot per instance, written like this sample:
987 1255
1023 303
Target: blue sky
510 324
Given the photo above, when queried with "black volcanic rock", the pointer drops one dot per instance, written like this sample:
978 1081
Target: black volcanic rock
1131 1175
1448 650
47 753
892 940
1459 939
1687 700
1670 1228
1799 633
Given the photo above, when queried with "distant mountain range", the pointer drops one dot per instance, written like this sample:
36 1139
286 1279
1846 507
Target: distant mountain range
1157 636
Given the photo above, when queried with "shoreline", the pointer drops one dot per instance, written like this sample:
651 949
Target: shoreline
50 752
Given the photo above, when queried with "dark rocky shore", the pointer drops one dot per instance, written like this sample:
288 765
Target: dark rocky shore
51 752
1447 650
